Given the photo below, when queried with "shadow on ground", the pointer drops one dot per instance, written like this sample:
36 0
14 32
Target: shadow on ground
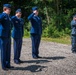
32 68
37 68
55 58
37 61
44 59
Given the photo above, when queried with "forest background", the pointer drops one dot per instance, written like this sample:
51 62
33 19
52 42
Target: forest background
56 17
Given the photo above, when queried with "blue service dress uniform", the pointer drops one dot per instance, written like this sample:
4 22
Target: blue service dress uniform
36 31
0 51
73 35
17 34
5 33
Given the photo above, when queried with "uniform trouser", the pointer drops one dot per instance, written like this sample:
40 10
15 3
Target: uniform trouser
35 44
17 48
0 52
5 52
73 37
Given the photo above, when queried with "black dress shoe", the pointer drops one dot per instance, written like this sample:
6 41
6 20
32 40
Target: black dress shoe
5 69
10 67
35 57
73 51
39 57
16 62
20 61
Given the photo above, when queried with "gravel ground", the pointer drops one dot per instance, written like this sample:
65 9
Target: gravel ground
57 60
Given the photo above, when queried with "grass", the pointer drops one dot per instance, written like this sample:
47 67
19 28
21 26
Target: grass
62 40
26 37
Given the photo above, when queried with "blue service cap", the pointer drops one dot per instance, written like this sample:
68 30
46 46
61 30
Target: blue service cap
18 10
35 8
74 15
7 5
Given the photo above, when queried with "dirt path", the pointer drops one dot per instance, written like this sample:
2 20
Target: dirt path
57 60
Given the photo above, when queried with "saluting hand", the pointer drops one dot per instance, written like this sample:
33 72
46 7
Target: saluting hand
35 11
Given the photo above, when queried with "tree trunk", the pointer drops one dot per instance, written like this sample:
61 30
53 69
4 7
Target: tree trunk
47 16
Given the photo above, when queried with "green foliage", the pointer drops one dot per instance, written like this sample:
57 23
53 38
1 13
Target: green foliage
56 15
27 29
45 32
26 33
63 40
